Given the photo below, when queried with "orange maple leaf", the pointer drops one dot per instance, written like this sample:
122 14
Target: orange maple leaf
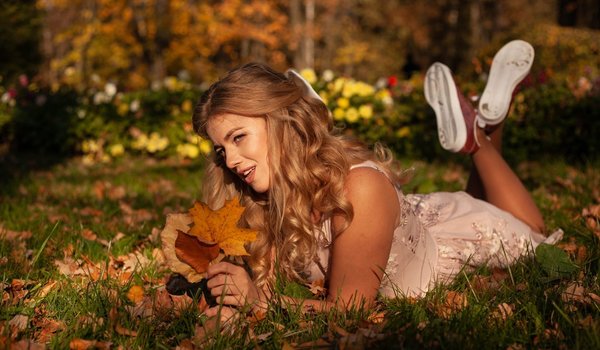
194 252
220 227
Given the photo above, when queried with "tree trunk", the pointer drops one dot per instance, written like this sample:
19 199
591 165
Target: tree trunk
309 45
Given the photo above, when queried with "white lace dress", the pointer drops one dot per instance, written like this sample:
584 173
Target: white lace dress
439 234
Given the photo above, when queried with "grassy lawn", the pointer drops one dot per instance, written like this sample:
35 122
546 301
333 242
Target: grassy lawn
81 267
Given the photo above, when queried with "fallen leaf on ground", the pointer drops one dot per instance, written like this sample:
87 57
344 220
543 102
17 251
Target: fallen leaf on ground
14 235
124 331
83 344
503 311
574 292
317 287
47 328
18 324
26 344
135 294
454 302
46 289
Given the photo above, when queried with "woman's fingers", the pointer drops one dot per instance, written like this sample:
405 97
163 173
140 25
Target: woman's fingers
224 313
223 268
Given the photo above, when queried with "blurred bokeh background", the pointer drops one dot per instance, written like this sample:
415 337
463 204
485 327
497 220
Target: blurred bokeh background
91 76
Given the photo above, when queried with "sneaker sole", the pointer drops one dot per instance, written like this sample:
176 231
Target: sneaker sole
440 93
509 66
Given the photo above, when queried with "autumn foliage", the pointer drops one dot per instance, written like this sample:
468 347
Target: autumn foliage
192 241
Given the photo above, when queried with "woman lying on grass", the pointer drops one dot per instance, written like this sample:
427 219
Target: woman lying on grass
327 207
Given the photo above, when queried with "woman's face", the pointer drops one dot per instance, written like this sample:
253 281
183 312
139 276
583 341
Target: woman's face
242 143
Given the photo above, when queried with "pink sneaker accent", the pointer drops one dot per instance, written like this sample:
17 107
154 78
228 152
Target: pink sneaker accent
454 113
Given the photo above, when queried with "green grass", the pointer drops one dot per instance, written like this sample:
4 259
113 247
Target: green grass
57 203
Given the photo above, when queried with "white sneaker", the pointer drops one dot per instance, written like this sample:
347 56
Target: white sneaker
455 116
509 66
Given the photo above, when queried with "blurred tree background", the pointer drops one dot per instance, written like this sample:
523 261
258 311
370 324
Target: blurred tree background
136 42
74 73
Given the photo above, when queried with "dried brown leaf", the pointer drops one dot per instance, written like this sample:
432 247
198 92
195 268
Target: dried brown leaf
574 293
124 331
194 252
454 302
10 235
18 323
83 344
592 211
177 222
503 311
47 328
46 289
27 344
89 235
135 294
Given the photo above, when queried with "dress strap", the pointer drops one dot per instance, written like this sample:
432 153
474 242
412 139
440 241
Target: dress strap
366 164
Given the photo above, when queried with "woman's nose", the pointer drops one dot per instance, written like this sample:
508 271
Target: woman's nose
232 159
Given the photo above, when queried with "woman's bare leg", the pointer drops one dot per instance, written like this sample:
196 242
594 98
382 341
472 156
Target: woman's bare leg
474 185
502 187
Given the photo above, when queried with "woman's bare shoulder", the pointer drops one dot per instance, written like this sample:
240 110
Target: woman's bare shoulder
371 194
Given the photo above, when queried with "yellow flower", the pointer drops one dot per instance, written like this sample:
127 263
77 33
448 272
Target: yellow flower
87 159
116 150
337 85
90 146
385 97
363 89
122 109
338 114
205 146
186 106
352 115
343 102
309 75
193 139
187 150
140 142
365 111
156 143
403 132
171 83
349 89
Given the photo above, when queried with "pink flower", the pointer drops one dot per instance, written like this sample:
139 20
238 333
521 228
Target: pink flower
23 80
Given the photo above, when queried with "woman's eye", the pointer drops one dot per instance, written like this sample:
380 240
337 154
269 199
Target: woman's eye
220 152
238 138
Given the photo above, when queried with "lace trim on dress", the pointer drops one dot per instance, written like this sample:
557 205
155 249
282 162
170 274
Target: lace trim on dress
428 214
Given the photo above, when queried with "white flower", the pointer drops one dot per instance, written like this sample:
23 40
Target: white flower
100 97
328 75
110 89
134 106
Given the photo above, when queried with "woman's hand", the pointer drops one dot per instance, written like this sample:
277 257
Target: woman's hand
225 314
232 285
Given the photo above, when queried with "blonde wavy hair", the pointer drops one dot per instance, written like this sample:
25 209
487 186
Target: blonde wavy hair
308 159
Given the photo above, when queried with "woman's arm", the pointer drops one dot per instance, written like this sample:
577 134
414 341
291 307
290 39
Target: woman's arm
360 252
358 258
